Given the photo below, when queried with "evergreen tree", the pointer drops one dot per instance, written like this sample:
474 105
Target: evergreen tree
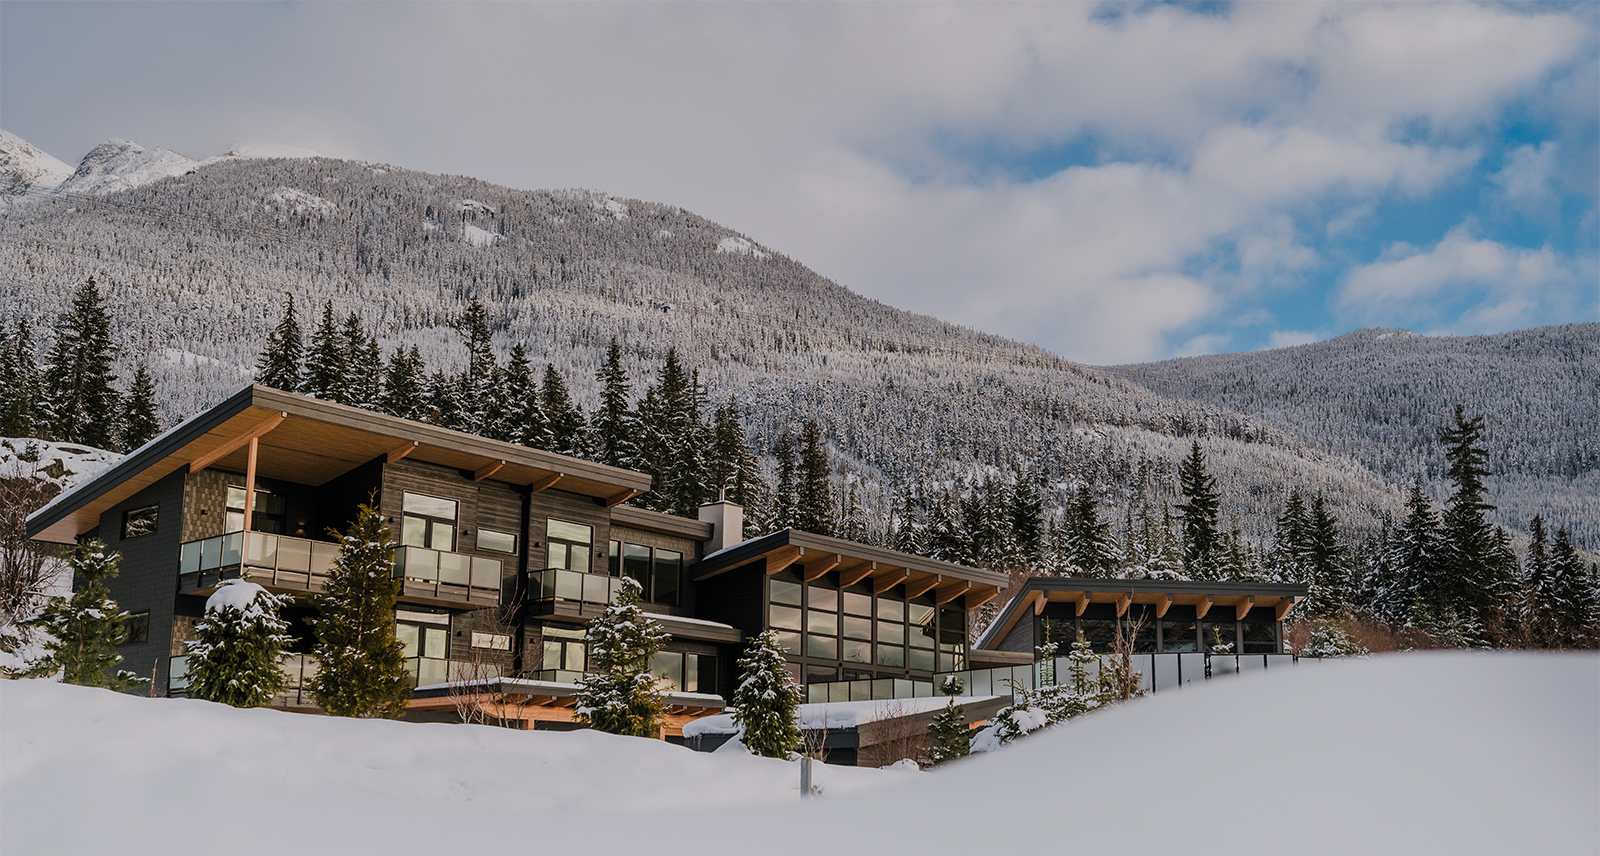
619 696
1324 563
363 671
614 429
1027 518
1199 511
242 642
1088 539
404 385
325 363
947 533
766 705
672 440
363 366
733 468
949 732
563 419
1474 584
280 366
80 401
1539 589
907 535
444 401
139 422
520 416
853 520
1083 687
82 630
1291 546
478 384
814 509
20 406
1575 603
786 496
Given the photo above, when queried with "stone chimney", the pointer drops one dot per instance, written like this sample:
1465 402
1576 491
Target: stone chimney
727 524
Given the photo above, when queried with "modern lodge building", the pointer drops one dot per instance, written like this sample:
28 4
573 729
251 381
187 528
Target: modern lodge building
506 552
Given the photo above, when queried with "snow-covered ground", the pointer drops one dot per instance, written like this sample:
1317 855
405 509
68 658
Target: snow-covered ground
63 464
1423 753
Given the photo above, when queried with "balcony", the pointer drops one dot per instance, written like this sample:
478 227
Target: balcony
447 579
275 561
300 669
558 591
428 671
879 689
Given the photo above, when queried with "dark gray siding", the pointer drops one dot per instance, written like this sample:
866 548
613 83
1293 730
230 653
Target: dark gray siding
1021 637
147 580
737 597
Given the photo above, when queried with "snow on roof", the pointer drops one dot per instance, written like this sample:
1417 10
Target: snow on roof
686 620
837 715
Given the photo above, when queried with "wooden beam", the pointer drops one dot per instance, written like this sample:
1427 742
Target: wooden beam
252 433
814 570
980 597
782 558
1039 600
922 586
1081 603
1122 603
1284 605
886 581
545 483
950 591
401 451
855 573
487 470
250 483
1203 607
1162 605
619 498
1244 607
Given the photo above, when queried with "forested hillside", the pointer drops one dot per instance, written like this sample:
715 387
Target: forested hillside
194 269
1376 396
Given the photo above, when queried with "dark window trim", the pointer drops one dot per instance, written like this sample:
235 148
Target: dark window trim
154 506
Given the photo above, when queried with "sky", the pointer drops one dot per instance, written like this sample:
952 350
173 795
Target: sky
1116 183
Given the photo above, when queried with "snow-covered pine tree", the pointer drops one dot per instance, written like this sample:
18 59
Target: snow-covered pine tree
518 417
786 494
1325 563
948 540
1082 684
1538 586
564 420
139 423
478 393
404 385
363 365
614 429
325 361
814 507
444 401
733 467
20 407
1475 585
281 362
618 695
363 671
79 399
242 641
853 520
766 704
1027 518
1088 538
1411 576
82 630
1291 545
1199 511
1576 602
949 734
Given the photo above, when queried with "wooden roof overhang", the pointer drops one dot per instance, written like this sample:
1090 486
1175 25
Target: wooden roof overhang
816 555
1235 598
308 441
532 701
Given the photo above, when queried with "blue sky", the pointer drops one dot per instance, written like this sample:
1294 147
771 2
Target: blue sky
1114 182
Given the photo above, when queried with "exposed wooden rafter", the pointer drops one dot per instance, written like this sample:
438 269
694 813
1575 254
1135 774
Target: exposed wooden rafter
886 580
619 498
814 569
980 596
401 451
1080 603
1039 600
920 587
233 444
1203 607
950 591
855 573
1163 604
1284 605
1244 607
487 470
782 558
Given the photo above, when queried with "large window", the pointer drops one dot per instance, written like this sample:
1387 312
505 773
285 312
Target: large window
1260 637
685 672
137 628
861 632
497 542
269 514
658 571
428 521
563 649
422 634
139 522
1179 637
568 545
1220 637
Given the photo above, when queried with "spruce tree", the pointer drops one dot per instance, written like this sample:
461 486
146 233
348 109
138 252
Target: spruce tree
478 384
563 419
444 401
673 440
947 533
139 422
949 733
82 630
1539 589
619 696
20 407
1474 584
766 704
519 418
1027 518
1089 539
852 518
1325 563
242 642
1291 545
786 495
1199 512
80 401
280 366
363 366
614 429
1410 579
1575 604
733 467
814 509
325 363
404 385
363 671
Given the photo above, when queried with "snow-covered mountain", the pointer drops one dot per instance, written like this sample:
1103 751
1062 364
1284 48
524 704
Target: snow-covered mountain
198 263
25 170
116 165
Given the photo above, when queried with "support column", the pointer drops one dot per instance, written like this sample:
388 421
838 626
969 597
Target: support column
250 485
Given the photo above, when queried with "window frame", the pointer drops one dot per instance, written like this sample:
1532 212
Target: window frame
155 521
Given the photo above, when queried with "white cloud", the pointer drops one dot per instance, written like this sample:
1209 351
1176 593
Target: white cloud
1289 338
1411 283
1525 178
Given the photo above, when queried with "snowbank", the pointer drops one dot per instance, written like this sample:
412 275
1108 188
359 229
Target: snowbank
835 715
1422 753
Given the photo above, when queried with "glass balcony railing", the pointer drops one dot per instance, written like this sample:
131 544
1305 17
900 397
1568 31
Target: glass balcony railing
299 668
276 560
880 689
447 576
574 586
559 676
427 671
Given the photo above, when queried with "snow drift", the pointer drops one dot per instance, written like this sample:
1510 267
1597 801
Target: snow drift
1424 753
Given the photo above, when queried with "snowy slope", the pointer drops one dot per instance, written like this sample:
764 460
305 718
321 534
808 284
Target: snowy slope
25 170
123 165
1428 753
61 464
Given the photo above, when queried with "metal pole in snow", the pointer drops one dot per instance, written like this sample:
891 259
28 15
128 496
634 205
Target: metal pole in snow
805 776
